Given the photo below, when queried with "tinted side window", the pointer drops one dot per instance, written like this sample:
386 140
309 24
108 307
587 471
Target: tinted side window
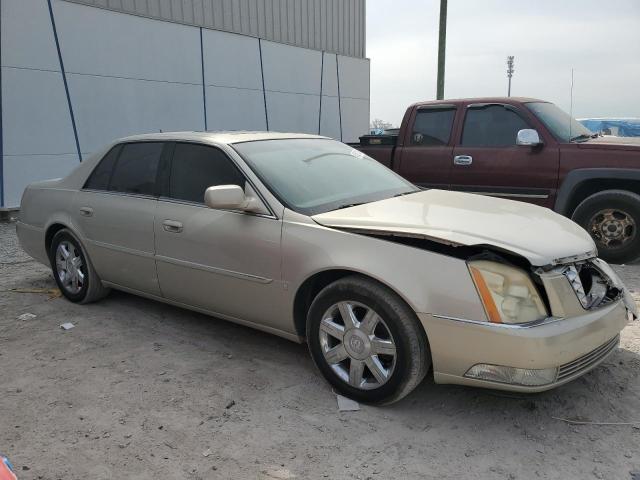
136 168
432 126
197 167
491 126
99 178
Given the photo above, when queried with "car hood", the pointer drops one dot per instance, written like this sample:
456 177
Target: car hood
455 218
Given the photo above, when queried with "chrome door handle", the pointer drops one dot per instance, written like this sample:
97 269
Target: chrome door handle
172 226
462 160
86 211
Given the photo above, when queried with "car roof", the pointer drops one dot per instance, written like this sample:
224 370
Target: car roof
479 100
221 137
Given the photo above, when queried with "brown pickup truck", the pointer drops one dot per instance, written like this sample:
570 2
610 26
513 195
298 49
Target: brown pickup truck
522 149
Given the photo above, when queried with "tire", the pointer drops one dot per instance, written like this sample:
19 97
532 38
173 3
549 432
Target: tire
88 287
352 345
612 218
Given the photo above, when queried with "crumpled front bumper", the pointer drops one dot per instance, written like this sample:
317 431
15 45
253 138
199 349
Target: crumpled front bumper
572 345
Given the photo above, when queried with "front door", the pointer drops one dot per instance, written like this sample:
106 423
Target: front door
425 157
225 262
487 160
114 214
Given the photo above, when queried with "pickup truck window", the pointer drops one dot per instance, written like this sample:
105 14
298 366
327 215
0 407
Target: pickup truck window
561 124
432 126
312 176
491 126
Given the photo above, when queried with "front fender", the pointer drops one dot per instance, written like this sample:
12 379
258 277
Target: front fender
575 178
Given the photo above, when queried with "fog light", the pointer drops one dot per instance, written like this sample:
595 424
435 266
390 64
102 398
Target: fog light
512 375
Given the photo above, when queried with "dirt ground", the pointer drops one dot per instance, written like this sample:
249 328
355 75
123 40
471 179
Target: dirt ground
141 390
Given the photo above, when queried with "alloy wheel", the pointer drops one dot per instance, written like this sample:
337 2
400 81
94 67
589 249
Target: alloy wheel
69 267
357 344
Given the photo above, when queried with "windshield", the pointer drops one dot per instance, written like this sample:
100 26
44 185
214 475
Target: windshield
562 126
314 176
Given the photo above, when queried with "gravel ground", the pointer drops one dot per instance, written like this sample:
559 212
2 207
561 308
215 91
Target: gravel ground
141 390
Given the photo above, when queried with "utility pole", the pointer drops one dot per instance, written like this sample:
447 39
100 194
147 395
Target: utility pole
510 71
442 43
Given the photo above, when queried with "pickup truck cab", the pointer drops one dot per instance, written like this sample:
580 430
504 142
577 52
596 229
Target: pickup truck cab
522 149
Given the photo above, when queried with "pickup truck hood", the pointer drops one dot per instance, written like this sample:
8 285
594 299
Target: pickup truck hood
455 218
612 143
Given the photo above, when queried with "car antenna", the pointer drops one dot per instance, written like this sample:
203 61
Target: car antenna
571 105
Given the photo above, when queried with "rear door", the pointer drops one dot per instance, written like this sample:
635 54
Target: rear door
114 213
224 261
487 160
425 157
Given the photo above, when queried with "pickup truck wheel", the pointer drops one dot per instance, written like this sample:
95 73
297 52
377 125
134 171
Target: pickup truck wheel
366 341
73 271
612 218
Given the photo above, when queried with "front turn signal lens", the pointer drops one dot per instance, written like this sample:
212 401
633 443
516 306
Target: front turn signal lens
507 293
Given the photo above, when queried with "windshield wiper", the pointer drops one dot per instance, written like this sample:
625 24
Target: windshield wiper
583 136
405 193
347 205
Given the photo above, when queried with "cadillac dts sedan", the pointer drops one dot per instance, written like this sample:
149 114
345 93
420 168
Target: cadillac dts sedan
304 237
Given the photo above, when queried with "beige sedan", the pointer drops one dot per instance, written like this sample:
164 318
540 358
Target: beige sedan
309 239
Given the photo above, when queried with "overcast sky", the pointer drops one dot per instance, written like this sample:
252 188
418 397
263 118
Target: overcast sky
599 39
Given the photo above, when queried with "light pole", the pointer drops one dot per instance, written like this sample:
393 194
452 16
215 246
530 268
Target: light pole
510 71
442 42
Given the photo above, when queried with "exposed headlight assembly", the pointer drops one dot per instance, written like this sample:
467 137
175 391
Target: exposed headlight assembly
507 293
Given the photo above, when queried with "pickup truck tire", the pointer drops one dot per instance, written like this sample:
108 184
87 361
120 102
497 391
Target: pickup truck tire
73 271
612 218
366 341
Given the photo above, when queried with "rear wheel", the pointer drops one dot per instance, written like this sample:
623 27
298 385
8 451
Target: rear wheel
73 271
366 341
612 218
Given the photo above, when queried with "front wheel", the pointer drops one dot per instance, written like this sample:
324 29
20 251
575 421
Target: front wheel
612 218
366 341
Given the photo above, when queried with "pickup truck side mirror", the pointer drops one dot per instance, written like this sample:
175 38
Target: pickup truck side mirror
528 137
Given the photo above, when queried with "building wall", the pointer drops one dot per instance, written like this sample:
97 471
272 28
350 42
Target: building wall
336 26
126 74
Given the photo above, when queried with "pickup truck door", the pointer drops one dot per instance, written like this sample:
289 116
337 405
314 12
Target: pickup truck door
424 158
487 160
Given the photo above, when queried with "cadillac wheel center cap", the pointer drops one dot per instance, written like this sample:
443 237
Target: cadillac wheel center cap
357 344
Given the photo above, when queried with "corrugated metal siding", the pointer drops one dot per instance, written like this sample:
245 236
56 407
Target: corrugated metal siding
336 26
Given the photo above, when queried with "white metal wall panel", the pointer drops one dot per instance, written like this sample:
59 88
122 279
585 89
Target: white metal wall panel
235 109
355 118
354 77
231 60
100 42
330 119
20 171
128 74
329 75
37 137
292 85
27 37
336 26
291 112
291 69
127 107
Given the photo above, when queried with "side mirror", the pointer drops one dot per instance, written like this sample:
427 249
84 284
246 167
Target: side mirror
528 137
230 197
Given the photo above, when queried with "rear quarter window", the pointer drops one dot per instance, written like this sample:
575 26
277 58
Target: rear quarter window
99 178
